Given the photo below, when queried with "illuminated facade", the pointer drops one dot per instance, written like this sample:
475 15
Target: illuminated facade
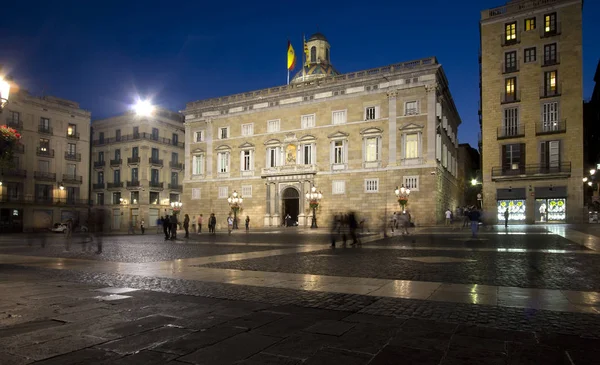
137 166
49 180
531 110
354 136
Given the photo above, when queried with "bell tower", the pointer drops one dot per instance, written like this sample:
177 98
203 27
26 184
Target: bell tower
318 50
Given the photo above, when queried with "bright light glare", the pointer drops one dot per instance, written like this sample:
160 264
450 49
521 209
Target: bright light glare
592 172
143 107
474 182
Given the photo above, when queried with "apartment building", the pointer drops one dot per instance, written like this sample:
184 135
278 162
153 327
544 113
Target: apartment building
49 180
355 137
531 110
137 167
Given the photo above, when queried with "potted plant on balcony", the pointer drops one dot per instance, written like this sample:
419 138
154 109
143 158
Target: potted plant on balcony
9 139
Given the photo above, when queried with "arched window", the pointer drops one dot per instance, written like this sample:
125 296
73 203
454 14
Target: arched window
327 54
313 54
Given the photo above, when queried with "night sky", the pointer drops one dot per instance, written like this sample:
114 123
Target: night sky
104 55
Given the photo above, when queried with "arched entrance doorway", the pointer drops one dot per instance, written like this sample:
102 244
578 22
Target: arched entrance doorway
291 205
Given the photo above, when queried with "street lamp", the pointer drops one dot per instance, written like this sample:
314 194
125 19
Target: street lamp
314 197
143 108
402 193
474 182
4 92
176 207
235 201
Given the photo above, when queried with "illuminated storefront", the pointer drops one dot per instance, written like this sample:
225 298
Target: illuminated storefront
516 210
551 210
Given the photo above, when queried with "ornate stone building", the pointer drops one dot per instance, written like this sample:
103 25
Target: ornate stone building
137 166
532 111
355 137
49 182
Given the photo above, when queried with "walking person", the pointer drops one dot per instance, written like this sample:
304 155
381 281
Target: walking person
247 223
212 223
173 221
229 223
474 216
353 226
142 228
166 227
194 224
448 217
159 223
334 229
506 218
186 225
69 234
131 229
200 224
465 217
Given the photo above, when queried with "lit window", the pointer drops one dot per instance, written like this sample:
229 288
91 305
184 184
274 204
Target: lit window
372 149
510 84
411 148
71 130
550 23
529 24
338 117
510 31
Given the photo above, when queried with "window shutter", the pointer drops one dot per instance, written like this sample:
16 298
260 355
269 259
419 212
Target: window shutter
522 159
543 154
504 158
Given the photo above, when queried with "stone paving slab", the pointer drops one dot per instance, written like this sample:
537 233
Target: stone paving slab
426 333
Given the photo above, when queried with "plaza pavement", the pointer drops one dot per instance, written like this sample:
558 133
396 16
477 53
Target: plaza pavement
523 295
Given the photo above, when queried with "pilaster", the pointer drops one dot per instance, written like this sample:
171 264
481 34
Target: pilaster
392 127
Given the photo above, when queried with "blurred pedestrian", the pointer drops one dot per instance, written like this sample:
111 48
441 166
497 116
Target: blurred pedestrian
247 223
186 225
334 229
69 234
131 227
159 223
352 227
166 227
474 216
465 217
229 223
506 218
448 217
212 223
173 222
194 224
142 228
200 224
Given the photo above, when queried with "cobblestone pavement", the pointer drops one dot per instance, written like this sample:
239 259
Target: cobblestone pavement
50 317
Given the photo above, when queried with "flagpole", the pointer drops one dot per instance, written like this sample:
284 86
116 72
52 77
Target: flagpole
303 57
288 77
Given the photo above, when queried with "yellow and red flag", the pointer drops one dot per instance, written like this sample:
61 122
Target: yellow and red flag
306 54
291 57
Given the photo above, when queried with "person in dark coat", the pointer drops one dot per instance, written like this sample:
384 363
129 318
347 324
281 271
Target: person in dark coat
186 225
173 221
166 226
353 226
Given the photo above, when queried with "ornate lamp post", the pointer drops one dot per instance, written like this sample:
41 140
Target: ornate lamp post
176 207
4 92
313 200
402 193
235 201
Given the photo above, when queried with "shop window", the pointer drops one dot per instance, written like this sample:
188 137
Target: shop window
516 210
551 210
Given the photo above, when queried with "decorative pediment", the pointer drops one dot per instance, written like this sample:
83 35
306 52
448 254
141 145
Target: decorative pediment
272 142
411 127
223 147
307 138
290 137
338 135
246 145
372 130
197 151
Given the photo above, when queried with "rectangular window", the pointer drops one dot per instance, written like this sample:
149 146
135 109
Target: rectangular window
174 178
247 129
100 199
338 187
154 153
154 197
338 117
71 130
173 197
118 135
550 23
223 132
246 191
101 156
134 174
223 192
44 145
117 154
116 198
510 61
510 86
117 176
44 123
200 136
411 108
247 160
174 157
308 121
155 134
273 156
550 57
154 176
136 132
198 164
550 155
101 137
371 185
411 182
195 193
371 113
175 139
530 54
411 143
44 165
135 197
510 32
513 156
135 152
372 149
13 117
71 149
223 162
307 154
273 125
338 152
71 169
511 122
550 87
550 117
529 24
100 177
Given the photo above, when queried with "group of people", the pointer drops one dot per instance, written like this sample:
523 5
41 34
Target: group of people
401 221
170 224
345 226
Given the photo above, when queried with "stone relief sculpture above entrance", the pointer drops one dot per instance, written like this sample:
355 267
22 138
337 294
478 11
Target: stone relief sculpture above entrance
290 154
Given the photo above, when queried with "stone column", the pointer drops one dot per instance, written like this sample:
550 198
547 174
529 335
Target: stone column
392 127
431 122
267 219
276 219
209 148
302 216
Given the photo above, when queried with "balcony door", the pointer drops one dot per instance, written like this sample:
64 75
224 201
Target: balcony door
550 156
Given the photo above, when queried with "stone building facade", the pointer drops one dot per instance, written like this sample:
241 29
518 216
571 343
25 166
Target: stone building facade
49 181
531 111
355 137
137 166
